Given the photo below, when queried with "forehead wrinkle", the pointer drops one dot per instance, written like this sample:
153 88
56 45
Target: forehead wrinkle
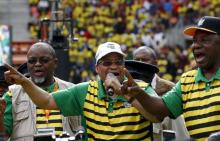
41 46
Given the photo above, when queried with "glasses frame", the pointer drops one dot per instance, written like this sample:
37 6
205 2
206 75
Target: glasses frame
108 63
41 60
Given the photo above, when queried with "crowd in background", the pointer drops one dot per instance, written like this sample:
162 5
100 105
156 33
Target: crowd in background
131 23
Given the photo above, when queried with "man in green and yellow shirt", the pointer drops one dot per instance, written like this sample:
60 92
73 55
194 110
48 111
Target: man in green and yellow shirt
104 116
196 95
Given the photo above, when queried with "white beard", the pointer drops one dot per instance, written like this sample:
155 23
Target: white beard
38 80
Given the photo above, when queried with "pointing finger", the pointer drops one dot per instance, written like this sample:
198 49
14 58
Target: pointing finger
11 69
130 78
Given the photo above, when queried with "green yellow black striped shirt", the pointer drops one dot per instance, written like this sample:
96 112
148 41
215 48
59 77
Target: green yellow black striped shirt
198 99
103 118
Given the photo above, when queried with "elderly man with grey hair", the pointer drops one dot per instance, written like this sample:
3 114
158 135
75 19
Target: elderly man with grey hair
22 118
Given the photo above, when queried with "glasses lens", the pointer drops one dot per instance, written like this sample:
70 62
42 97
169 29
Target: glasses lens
42 60
32 61
119 63
106 63
109 63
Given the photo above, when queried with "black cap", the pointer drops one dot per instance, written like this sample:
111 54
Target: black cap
140 70
23 69
207 23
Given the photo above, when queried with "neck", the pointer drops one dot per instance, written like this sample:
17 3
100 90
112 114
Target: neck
209 73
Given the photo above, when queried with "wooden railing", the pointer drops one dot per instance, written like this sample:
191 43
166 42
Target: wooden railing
19 51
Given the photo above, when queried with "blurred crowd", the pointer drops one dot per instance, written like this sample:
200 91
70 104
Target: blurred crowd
131 23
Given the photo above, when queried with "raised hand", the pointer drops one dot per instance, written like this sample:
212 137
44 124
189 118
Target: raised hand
130 87
134 93
12 76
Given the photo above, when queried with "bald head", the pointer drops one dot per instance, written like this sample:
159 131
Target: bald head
41 63
42 45
145 54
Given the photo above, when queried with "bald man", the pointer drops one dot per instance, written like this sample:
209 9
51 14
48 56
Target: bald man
161 86
22 118
148 55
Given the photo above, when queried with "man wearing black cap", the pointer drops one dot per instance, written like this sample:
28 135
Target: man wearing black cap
141 70
22 118
148 56
196 95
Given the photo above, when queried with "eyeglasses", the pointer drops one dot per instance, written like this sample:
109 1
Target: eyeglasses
109 63
41 60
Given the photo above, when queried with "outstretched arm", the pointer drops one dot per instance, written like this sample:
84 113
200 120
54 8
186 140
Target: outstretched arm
40 97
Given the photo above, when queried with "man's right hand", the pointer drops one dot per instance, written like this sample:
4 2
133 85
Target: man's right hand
40 97
12 76
130 87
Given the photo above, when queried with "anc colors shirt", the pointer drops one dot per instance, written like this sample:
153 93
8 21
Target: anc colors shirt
199 101
101 114
44 118
50 118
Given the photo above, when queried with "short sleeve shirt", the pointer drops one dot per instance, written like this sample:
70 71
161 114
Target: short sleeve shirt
71 101
173 98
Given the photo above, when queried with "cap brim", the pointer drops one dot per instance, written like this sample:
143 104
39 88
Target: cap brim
104 54
190 31
140 70
141 66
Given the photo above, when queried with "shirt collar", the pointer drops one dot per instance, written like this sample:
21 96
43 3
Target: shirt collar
102 94
201 77
50 88
101 90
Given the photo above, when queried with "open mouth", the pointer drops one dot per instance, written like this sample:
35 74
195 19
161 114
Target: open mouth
38 72
116 73
199 57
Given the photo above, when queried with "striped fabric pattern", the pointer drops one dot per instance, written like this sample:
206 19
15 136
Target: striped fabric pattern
121 124
201 106
55 120
50 118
